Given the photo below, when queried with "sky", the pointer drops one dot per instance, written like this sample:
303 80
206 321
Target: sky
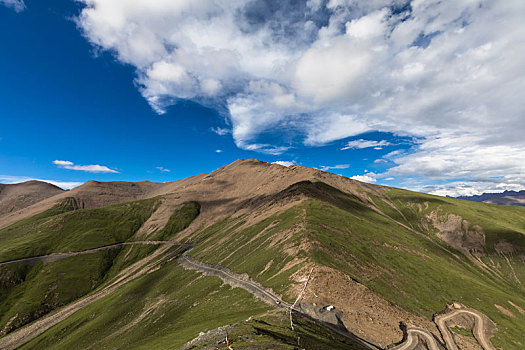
424 94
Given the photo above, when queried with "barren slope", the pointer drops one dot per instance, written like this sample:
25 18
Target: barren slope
19 196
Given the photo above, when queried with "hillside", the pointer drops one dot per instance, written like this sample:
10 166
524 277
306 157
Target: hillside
15 197
503 198
120 265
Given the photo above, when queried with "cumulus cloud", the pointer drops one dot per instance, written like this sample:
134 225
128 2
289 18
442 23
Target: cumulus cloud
65 164
366 144
17 5
66 185
332 167
465 166
285 163
370 178
327 70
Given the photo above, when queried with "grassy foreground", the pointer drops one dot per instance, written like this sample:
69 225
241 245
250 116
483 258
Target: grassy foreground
161 310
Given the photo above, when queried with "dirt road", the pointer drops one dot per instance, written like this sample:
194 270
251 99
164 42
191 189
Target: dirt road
479 330
58 256
264 294
234 280
415 337
413 340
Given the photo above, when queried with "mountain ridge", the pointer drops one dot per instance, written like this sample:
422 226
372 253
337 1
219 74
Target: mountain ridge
380 255
500 198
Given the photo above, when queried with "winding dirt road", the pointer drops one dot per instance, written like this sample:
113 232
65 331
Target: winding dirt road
480 328
415 337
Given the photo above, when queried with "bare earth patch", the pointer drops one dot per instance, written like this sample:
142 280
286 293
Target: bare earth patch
504 311
366 313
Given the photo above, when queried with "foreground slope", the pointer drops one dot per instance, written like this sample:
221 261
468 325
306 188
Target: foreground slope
380 255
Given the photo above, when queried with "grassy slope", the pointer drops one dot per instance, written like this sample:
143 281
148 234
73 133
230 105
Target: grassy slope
30 292
163 309
178 221
181 305
249 251
331 228
499 222
63 229
171 306
406 268
272 331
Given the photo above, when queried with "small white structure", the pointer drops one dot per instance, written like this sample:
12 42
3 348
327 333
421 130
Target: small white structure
330 308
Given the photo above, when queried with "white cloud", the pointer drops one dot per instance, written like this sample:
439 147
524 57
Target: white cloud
328 70
359 144
17 5
8 179
162 169
285 163
331 167
218 151
463 188
466 167
65 164
331 127
221 131
370 178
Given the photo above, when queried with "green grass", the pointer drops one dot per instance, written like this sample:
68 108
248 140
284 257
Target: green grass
181 305
498 222
30 292
61 229
273 332
418 274
129 255
387 259
178 221
250 249
462 331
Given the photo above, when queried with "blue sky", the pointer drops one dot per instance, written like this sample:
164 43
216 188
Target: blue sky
94 90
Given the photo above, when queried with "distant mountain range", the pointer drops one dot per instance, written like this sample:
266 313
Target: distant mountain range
503 198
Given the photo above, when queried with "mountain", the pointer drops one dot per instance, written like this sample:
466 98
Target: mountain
503 198
223 255
19 196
